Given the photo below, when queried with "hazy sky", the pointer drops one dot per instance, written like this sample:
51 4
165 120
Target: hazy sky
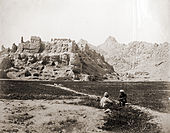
92 20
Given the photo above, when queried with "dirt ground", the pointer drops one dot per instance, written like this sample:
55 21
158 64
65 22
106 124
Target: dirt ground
31 116
58 116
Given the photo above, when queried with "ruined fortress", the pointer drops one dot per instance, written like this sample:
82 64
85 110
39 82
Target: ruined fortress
56 59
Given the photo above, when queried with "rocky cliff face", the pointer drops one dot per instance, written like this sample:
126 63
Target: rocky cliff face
138 60
57 59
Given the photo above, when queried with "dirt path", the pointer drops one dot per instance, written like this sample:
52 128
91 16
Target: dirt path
162 119
68 89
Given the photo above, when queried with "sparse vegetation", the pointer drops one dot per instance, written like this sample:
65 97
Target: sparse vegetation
128 120
124 120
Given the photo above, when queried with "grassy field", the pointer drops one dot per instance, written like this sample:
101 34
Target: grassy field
24 90
153 95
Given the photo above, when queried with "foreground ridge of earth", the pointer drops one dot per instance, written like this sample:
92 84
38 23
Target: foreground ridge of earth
49 116
57 59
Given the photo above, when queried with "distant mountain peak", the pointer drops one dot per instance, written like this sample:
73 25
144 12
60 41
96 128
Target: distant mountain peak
110 42
111 39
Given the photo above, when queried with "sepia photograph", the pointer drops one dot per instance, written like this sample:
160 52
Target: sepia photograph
84 66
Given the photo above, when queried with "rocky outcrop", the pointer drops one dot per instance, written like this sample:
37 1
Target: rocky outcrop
93 61
138 60
57 59
5 63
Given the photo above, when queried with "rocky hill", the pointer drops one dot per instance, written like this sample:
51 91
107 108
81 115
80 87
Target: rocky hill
56 59
138 60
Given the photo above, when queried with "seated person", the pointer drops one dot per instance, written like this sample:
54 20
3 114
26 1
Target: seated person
105 102
122 98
